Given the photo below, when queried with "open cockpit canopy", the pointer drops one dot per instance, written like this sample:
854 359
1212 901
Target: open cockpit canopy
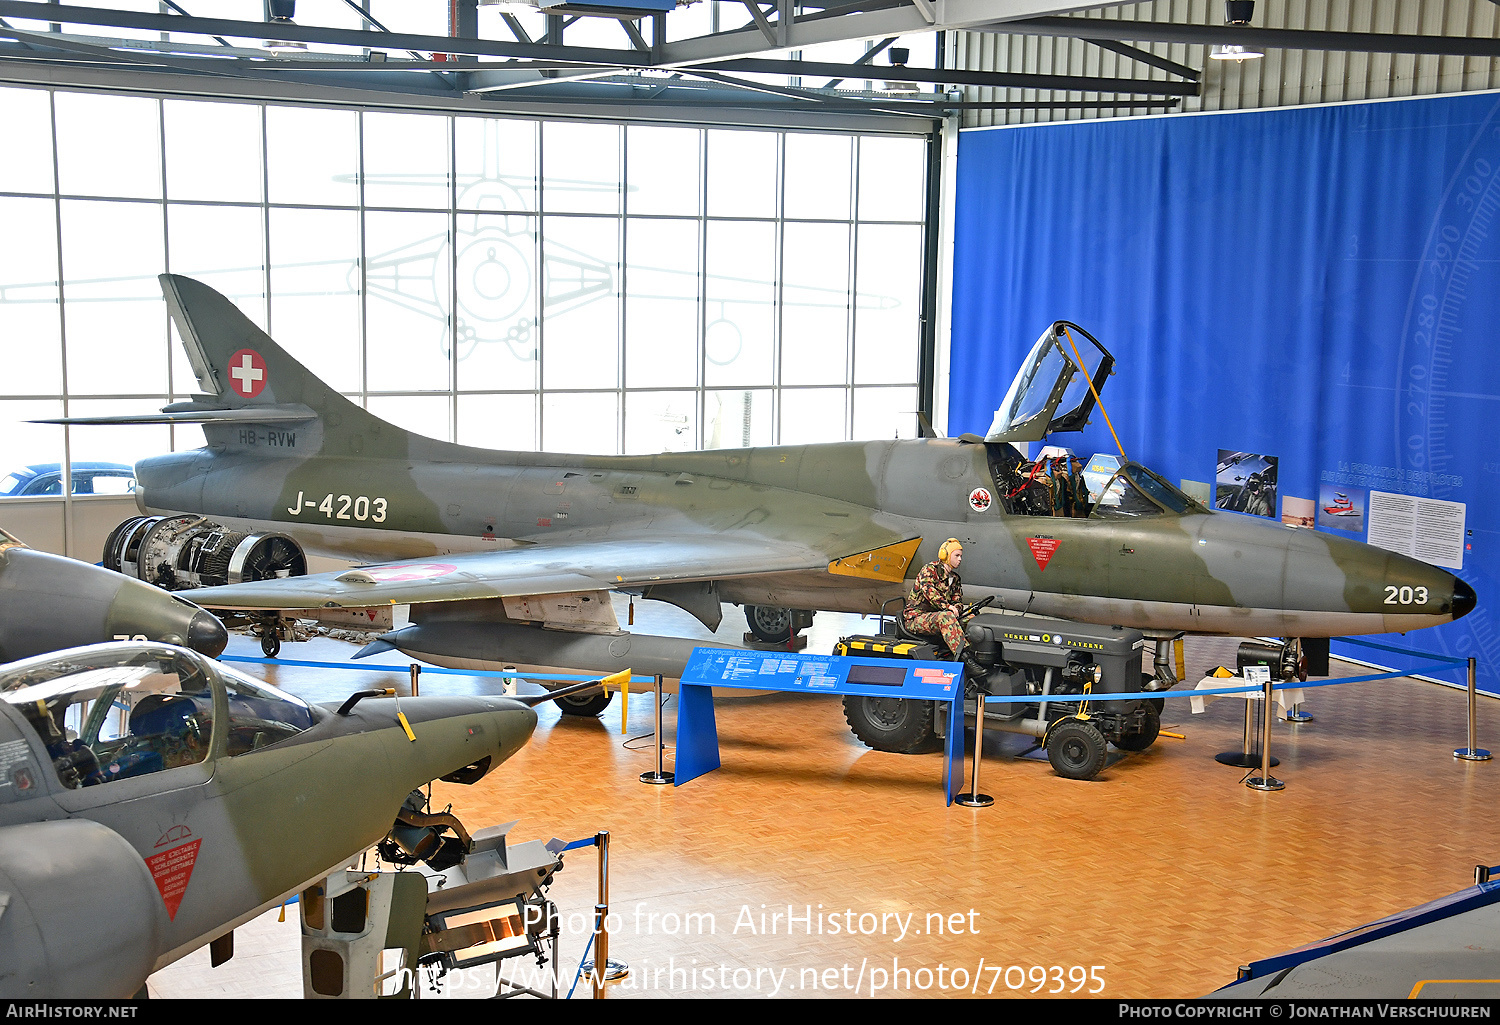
1048 393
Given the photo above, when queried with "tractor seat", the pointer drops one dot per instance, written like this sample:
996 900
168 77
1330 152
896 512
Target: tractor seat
939 646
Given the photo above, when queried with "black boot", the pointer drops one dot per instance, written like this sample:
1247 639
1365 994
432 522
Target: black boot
974 669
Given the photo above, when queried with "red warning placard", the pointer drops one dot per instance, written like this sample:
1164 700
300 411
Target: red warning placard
172 870
1042 548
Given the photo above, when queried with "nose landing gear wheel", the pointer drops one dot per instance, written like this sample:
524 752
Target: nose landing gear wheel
1076 749
770 623
270 645
584 704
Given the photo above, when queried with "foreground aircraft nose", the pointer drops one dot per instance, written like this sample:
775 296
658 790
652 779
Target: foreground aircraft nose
207 635
1464 599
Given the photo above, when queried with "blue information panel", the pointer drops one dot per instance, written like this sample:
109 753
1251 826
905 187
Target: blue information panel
697 731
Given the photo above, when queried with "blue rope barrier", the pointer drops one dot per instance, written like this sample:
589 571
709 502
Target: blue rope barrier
579 974
1031 699
1444 663
1404 651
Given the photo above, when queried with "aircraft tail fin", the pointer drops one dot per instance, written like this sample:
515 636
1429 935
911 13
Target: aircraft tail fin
241 369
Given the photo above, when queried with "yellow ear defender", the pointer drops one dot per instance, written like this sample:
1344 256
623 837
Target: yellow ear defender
946 547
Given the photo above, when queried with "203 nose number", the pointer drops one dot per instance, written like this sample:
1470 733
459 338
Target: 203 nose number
1405 595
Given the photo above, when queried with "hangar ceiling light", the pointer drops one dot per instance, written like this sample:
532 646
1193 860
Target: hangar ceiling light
281 12
1236 12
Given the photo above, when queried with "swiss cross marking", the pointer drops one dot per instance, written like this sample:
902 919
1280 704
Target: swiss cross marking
247 373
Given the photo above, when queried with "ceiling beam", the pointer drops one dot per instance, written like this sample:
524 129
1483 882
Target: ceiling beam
872 53
1135 53
766 28
730 108
306 33
865 21
942 76
1258 38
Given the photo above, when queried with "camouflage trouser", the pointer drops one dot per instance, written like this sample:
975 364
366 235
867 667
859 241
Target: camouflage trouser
933 624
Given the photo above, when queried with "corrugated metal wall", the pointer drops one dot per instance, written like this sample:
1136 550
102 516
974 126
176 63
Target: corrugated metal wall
1281 78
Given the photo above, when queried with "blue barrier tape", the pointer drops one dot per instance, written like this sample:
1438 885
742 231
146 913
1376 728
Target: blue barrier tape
586 842
1031 699
1404 651
579 974
1445 663
379 667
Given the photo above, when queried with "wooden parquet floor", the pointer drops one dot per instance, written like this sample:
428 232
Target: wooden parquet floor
1165 872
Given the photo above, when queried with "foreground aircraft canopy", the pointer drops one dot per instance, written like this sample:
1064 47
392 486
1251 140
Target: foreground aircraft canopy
836 526
152 799
48 602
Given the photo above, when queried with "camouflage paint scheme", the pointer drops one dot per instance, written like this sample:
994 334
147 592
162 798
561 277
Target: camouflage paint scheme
769 526
48 602
268 823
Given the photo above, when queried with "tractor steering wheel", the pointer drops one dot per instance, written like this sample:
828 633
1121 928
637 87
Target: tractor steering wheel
972 610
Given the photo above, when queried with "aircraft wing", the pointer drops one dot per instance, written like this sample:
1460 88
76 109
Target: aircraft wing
531 569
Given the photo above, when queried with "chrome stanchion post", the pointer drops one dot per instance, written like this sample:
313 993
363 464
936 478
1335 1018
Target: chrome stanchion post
1295 715
974 799
1472 753
611 970
416 678
1265 781
658 776
1246 757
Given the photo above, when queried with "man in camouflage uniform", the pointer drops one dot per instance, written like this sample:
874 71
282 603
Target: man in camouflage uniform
1081 506
936 603
1062 486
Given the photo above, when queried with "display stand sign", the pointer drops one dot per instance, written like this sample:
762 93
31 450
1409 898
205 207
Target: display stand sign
697 731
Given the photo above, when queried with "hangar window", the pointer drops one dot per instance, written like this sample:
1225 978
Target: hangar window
497 281
114 712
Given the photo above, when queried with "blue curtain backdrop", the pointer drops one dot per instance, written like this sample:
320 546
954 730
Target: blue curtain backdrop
1318 284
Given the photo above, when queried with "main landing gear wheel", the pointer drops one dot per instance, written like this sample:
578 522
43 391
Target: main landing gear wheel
898 725
770 623
584 704
1076 749
270 645
1150 730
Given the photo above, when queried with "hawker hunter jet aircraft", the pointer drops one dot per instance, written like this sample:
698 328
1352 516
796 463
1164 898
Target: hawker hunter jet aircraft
477 540
151 800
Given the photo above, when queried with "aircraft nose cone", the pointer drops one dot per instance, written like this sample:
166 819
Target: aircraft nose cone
1464 599
208 636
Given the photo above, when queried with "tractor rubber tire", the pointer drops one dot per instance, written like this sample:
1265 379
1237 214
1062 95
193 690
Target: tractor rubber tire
898 725
1076 749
